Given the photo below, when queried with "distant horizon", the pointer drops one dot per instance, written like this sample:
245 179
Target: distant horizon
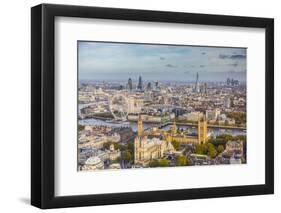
121 61
213 77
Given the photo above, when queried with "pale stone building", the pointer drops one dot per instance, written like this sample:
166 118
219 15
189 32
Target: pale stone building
113 154
147 148
200 138
93 163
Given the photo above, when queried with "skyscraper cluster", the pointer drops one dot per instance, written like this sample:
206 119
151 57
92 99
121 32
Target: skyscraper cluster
232 82
140 85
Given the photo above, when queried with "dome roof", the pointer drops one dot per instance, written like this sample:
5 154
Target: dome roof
93 161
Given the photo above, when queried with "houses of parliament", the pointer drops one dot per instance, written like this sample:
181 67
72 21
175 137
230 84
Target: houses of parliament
155 143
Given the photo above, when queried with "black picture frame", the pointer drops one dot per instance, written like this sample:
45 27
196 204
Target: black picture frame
43 105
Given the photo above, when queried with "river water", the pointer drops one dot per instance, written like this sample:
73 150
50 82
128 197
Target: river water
133 125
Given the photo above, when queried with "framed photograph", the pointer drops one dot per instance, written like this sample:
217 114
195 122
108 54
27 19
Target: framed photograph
139 106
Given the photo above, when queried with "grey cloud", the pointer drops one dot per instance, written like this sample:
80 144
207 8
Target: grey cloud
234 56
233 64
170 66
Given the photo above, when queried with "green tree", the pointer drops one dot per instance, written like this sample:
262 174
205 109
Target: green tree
201 149
240 138
126 156
240 117
117 160
212 152
225 137
221 139
123 147
176 145
131 147
81 127
106 145
154 163
181 161
163 163
220 148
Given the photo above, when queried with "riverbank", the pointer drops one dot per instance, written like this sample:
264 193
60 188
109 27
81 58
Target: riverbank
216 130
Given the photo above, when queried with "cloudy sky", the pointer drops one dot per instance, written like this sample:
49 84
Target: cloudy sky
119 61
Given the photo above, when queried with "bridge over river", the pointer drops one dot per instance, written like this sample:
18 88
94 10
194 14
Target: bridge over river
210 126
214 129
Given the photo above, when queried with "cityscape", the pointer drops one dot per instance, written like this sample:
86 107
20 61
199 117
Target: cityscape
156 105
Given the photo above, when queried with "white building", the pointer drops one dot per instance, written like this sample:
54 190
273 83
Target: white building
92 142
234 160
93 163
227 102
115 166
234 146
212 114
112 153
194 116
147 149
114 138
230 121
134 105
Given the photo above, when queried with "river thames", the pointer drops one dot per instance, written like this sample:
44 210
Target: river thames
211 130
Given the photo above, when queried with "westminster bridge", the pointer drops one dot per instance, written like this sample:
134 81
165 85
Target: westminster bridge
210 126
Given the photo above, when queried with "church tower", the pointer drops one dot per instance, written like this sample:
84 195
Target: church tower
139 143
139 126
202 130
174 128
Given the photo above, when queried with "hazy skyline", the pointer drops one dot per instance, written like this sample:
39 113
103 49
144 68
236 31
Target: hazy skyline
119 61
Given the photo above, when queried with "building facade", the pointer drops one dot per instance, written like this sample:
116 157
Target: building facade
146 148
199 138
202 131
130 84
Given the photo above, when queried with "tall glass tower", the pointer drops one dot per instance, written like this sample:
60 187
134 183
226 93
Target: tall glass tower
197 86
139 87
130 84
